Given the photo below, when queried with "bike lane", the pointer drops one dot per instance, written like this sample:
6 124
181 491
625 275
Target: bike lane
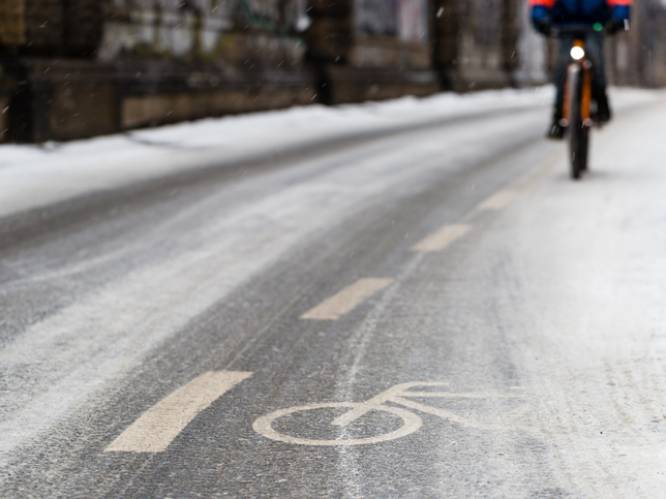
500 314
403 334
554 388
292 360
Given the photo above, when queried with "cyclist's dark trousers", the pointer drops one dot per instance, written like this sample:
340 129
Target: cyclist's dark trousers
594 45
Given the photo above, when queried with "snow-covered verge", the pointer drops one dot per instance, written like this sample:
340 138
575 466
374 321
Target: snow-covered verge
37 176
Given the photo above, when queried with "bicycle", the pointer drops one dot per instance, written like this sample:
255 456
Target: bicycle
398 395
577 111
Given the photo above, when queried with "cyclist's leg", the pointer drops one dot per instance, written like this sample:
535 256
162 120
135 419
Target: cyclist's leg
595 50
559 78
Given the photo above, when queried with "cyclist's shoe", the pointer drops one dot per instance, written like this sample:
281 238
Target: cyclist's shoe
555 131
603 113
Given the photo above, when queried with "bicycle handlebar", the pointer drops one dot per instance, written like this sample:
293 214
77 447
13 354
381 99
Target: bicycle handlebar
577 29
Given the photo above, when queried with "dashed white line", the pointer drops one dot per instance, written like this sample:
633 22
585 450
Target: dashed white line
442 239
161 424
499 200
346 300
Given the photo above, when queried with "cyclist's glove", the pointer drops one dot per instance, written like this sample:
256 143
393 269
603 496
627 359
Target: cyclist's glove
621 15
617 26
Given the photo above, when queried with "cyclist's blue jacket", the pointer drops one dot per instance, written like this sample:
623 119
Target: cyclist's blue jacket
560 12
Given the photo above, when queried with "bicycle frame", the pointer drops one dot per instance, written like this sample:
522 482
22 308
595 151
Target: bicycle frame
577 67
401 394
577 112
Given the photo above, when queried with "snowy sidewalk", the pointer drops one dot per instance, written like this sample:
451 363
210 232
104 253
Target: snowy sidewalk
38 176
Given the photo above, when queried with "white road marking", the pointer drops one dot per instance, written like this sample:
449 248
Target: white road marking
442 239
504 197
499 200
161 424
264 426
346 300
397 395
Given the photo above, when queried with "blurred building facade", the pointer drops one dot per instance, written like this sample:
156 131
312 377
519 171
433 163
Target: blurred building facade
639 57
75 68
370 49
475 43
86 67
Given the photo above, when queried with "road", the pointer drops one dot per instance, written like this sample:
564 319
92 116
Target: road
496 329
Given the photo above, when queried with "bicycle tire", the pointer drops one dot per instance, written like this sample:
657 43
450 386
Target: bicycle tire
579 133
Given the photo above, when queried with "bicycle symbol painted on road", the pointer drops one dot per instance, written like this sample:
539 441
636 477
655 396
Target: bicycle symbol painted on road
399 395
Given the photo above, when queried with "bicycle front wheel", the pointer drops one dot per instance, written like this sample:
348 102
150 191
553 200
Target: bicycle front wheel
579 132
264 425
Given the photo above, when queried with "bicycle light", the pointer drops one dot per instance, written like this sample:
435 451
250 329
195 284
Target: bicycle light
577 53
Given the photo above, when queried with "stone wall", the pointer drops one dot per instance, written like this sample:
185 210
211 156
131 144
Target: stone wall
532 52
74 68
475 42
51 27
206 57
32 25
177 28
88 67
639 57
371 49
6 92
238 32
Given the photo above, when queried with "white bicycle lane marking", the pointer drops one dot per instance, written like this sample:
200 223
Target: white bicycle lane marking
399 395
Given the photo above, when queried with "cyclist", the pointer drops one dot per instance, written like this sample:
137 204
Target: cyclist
601 15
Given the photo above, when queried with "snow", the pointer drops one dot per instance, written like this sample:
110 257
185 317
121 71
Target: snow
37 176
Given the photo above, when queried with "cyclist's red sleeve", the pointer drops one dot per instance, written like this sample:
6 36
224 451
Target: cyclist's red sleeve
549 4
620 3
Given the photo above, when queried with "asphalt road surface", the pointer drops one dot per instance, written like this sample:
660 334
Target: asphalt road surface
438 312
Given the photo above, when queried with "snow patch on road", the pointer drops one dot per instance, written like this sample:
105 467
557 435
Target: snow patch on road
37 176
